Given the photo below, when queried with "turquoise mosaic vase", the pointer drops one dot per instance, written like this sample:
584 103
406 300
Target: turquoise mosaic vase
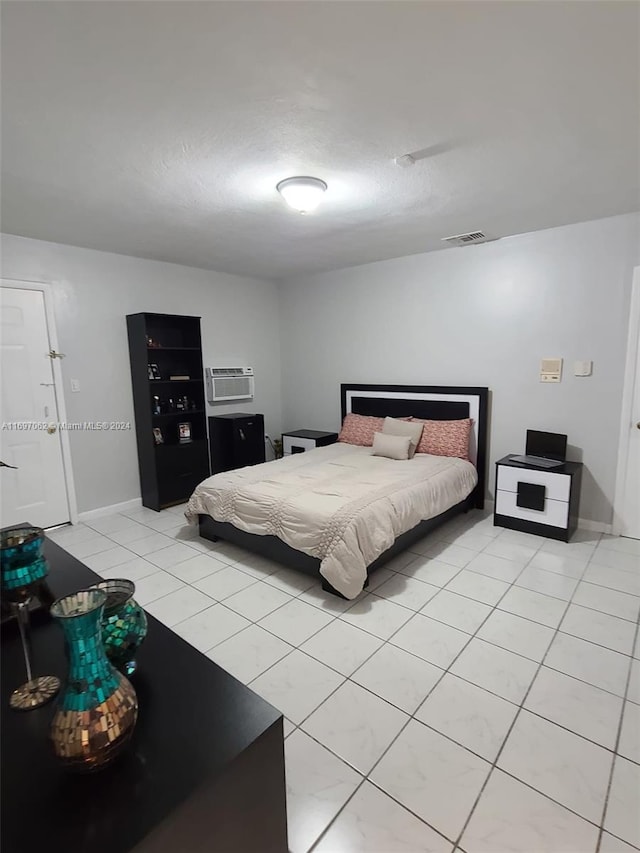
97 711
21 562
124 623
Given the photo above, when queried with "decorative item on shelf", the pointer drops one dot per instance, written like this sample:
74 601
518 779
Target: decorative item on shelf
152 344
157 435
171 406
179 377
184 432
23 569
124 623
97 711
157 408
154 372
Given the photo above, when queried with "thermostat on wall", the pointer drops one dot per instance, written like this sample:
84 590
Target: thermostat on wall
551 370
583 368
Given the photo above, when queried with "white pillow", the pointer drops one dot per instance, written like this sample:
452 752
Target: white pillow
391 446
394 426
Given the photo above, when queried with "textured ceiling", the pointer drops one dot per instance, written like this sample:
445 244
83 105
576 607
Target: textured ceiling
160 129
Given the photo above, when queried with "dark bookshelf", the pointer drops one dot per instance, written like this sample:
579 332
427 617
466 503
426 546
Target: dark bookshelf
170 469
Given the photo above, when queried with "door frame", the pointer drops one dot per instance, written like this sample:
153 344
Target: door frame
627 402
45 288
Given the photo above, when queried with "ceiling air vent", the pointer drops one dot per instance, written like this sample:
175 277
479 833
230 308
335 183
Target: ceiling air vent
467 239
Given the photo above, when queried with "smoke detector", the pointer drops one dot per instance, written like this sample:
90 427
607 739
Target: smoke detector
468 239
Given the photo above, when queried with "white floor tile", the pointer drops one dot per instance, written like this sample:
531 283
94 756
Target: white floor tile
495 669
588 662
406 591
325 600
607 601
609 844
295 622
178 606
289 581
478 587
531 539
600 628
622 818
318 785
431 571
559 563
378 578
629 745
457 611
472 539
296 685
372 822
356 725
88 547
469 715
615 559
533 605
257 600
132 570
397 676
396 564
110 523
519 635
548 583
433 641
224 583
453 554
196 568
257 566
151 587
562 765
149 542
580 707
210 627
623 581
162 521
108 559
516 552
64 536
288 727
512 818
341 646
130 534
633 693
619 543
377 616
169 557
249 653
496 567
576 550
432 776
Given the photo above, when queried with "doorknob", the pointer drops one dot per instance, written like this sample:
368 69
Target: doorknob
4 465
51 429
638 425
53 354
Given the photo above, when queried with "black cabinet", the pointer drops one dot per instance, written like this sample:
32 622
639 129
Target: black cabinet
169 403
236 440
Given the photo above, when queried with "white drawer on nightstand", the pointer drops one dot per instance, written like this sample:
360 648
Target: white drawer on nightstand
289 442
558 486
555 513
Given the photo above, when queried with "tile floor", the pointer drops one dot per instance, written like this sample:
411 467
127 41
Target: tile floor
482 696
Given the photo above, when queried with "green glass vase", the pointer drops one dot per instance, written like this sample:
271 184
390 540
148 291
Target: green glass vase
97 711
124 623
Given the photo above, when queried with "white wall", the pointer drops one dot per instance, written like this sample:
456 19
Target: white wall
93 291
482 315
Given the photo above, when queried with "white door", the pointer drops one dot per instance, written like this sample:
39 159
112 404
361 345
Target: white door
630 511
34 489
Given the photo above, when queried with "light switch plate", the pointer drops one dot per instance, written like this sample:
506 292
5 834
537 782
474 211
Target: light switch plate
75 385
551 370
582 368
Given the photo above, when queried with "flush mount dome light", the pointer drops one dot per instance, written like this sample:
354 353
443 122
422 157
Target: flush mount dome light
302 194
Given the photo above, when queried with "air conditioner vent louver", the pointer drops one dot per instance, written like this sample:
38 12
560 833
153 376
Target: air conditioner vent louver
467 239
229 383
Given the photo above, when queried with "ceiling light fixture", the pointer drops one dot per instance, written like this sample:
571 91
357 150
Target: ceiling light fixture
301 193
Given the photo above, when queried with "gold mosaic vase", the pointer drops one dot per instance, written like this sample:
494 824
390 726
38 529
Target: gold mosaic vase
97 711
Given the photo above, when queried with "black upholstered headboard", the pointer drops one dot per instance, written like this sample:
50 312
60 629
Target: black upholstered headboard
432 402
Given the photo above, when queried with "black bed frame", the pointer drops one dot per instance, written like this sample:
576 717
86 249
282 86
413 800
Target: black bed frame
364 402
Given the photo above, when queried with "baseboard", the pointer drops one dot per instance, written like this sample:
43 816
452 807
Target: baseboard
583 523
136 503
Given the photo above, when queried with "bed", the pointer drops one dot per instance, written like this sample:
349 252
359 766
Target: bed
339 511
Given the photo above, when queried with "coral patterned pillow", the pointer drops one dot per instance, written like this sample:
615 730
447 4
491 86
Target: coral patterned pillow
360 429
445 438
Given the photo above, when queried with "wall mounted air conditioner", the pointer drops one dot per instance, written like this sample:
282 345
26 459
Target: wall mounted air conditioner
229 383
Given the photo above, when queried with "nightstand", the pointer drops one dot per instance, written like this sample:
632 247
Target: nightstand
543 501
306 439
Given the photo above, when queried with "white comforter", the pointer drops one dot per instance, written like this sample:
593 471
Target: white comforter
339 503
